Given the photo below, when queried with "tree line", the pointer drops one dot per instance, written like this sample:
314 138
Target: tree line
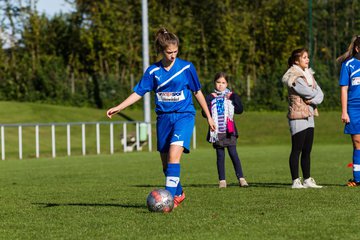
92 56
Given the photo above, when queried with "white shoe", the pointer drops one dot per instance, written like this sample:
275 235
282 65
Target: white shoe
310 183
297 184
222 184
243 183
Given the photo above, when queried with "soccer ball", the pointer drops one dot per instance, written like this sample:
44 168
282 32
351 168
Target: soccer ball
160 200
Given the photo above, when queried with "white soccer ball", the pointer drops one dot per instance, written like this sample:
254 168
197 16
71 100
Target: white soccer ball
160 200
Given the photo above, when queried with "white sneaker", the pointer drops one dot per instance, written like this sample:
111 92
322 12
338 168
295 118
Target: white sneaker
243 183
297 183
222 184
310 183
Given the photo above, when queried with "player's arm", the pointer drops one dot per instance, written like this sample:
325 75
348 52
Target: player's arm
208 103
302 88
133 98
344 98
201 100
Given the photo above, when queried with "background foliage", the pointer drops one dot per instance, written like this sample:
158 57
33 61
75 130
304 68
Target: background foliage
93 55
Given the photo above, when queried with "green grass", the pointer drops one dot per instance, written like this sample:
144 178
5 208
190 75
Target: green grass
104 197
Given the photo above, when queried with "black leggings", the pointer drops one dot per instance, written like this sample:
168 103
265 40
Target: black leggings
301 143
220 153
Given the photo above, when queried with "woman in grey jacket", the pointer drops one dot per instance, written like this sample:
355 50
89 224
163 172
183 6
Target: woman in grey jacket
304 96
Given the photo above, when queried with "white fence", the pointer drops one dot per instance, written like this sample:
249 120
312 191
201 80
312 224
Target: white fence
130 141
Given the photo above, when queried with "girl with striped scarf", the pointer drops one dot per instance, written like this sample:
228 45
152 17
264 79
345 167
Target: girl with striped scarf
223 104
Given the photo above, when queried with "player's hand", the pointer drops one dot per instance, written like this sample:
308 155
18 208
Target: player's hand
112 111
345 118
211 124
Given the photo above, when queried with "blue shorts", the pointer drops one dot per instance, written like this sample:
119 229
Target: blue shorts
174 129
353 127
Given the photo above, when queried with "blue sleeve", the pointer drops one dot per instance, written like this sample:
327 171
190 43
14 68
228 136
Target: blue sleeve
145 85
344 76
193 79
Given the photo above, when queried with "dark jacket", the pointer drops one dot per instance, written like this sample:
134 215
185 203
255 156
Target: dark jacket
238 109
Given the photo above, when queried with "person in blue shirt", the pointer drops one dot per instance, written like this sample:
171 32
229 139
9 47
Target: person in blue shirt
173 81
349 83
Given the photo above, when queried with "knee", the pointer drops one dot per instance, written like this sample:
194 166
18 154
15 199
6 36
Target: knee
356 143
296 152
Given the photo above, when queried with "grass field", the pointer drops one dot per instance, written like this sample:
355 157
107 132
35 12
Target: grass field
104 197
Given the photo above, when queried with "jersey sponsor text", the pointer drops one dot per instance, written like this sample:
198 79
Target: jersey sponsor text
170 96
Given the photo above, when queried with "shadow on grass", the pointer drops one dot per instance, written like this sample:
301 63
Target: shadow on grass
208 185
251 184
186 185
282 185
48 205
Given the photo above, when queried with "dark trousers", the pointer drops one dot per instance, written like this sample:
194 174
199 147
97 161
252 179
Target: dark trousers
301 144
220 154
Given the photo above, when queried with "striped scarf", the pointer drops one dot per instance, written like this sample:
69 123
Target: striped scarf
222 109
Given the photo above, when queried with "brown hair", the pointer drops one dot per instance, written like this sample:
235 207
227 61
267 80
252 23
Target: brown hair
164 38
220 75
351 51
295 56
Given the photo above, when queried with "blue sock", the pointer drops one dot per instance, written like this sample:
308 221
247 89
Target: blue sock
356 165
172 177
179 188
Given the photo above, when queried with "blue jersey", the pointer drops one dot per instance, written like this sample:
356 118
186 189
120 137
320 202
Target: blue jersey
350 76
173 89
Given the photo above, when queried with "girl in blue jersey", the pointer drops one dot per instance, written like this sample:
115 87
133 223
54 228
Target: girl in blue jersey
173 81
223 104
350 101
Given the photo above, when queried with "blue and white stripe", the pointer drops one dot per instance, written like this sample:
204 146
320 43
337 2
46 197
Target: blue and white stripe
173 76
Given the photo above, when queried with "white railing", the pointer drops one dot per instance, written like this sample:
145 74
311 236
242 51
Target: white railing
129 142
137 143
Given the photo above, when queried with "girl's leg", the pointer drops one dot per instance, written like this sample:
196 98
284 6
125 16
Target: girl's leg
174 135
164 127
173 169
356 157
306 151
356 141
297 141
220 163
236 161
164 160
